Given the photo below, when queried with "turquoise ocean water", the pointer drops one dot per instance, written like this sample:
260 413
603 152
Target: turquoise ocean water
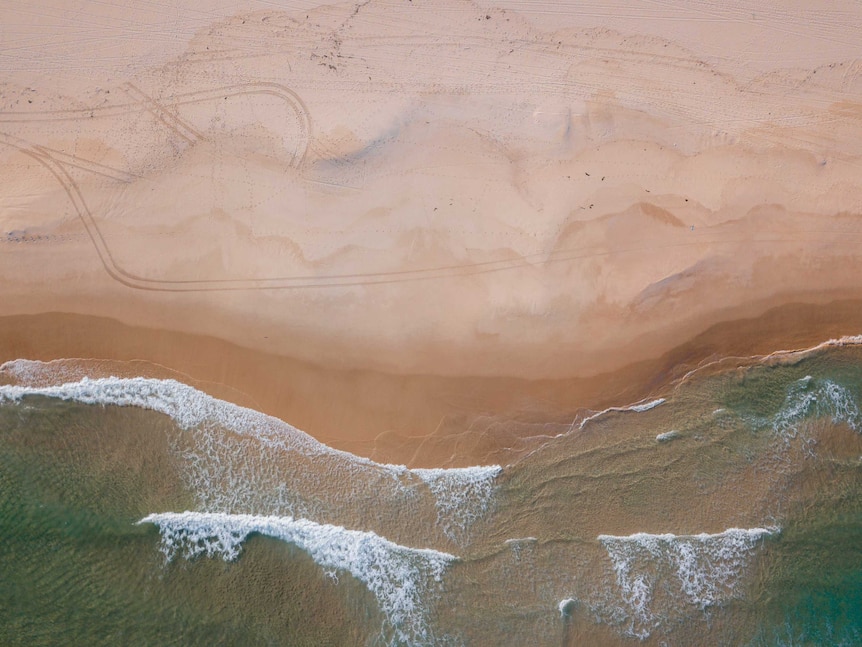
142 512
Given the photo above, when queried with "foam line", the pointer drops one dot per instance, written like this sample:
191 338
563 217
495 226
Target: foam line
399 577
664 570
816 397
258 483
637 408
463 495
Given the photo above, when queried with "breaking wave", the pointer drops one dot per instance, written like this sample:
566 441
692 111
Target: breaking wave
400 578
654 573
810 397
462 495
237 460
667 436
637 408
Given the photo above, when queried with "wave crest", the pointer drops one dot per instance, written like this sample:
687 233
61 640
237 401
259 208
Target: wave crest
810 397
463 496
662 570
236 460
400 578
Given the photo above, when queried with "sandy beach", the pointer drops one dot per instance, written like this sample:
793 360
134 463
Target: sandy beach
419 420
412 323
422 231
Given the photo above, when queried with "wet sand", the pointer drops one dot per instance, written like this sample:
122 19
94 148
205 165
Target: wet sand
442 234
426 232
421 420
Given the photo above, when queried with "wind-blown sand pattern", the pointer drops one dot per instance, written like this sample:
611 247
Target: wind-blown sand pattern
446 322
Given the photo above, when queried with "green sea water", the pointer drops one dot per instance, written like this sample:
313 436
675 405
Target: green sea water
78 571
641 527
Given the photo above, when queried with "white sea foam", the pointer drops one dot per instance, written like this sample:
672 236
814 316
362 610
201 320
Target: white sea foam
187 406
521 540
566 606
667 436
646 406
400 578
809 397
846 340
463 495
237 460
654 573
637 408
35 373
521 546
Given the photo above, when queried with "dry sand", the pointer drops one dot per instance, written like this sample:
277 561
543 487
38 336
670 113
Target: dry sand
385 219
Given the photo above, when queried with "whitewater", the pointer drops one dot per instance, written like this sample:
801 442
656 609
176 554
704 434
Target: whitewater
400 578
700 570
240 461
550 548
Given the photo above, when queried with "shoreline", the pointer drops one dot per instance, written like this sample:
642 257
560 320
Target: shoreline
418 420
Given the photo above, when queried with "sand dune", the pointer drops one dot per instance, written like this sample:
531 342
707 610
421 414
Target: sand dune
443 190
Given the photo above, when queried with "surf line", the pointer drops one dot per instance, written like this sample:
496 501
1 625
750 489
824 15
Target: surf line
398 576
637 408
461 495
678 570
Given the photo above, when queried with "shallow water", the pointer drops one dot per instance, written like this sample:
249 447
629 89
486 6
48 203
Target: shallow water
728 514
